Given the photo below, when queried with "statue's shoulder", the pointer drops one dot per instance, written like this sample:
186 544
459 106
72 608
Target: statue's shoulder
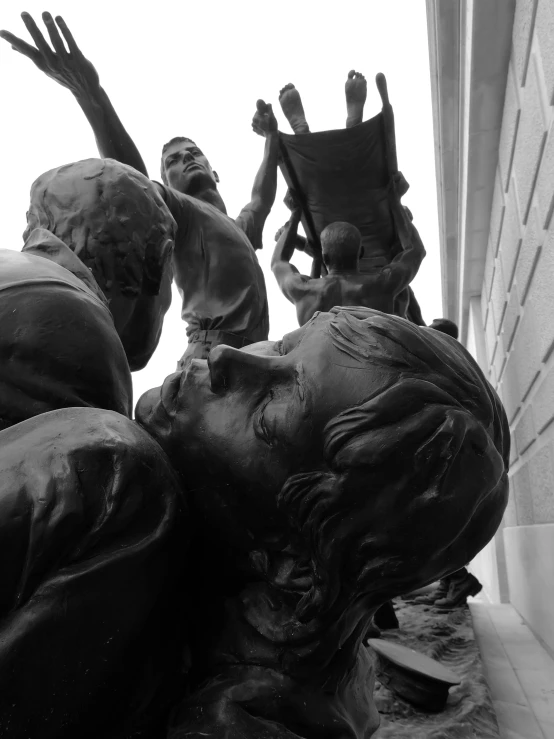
99 451
33 266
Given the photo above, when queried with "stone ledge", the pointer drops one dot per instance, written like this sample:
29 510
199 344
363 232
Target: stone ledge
530 565
519 672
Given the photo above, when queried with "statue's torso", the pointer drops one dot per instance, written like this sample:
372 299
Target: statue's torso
367 290
217 271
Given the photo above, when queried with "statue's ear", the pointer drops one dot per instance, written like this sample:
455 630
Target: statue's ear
216 176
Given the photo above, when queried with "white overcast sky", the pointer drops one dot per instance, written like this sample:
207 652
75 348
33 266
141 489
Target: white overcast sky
196 69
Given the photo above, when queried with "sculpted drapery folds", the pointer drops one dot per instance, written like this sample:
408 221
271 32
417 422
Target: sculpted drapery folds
90 508
92 537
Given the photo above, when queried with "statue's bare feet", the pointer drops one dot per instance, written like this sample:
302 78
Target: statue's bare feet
289 97
355 90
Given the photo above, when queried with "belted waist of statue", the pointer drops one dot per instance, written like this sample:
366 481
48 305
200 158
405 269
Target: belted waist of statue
220 337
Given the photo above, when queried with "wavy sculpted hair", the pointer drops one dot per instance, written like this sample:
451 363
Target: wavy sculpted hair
415 480
112 217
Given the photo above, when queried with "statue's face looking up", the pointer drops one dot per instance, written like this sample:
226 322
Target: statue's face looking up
186 167
359 431
256 416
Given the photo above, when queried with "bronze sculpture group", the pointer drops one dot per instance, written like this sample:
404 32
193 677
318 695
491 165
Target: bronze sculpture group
211 569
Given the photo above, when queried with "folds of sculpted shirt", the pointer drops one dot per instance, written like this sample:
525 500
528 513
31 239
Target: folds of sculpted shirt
91 531
216 269
58 344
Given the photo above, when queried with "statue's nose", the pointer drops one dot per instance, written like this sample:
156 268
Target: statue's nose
230 367
221 363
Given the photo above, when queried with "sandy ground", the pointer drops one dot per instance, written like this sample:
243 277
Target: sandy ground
448 638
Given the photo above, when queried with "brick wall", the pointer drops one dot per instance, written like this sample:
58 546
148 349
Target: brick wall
517 299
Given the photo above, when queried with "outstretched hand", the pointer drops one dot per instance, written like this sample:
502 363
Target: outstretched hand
68 66
264 121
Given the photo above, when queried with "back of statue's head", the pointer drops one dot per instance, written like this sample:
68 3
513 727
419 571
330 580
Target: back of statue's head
415 478
112 217
341 244
445 326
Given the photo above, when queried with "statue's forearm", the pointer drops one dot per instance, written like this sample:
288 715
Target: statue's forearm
284 249
402 224
417 243
265 184
112 139
405 265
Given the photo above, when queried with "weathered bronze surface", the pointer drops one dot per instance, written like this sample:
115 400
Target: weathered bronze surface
349 176
422 681
213 568
311 463
383 287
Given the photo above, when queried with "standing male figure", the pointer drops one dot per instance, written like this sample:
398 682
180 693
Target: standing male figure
215 267
344 284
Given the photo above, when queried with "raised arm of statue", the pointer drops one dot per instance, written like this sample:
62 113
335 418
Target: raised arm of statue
288 277
405 265
253 216
72 70
287 236
300 242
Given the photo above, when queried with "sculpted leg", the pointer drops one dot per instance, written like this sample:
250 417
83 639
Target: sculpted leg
355 90
292 107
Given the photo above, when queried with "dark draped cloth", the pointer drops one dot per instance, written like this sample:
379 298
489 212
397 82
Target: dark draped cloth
92 531
91 541
58 344
342 175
